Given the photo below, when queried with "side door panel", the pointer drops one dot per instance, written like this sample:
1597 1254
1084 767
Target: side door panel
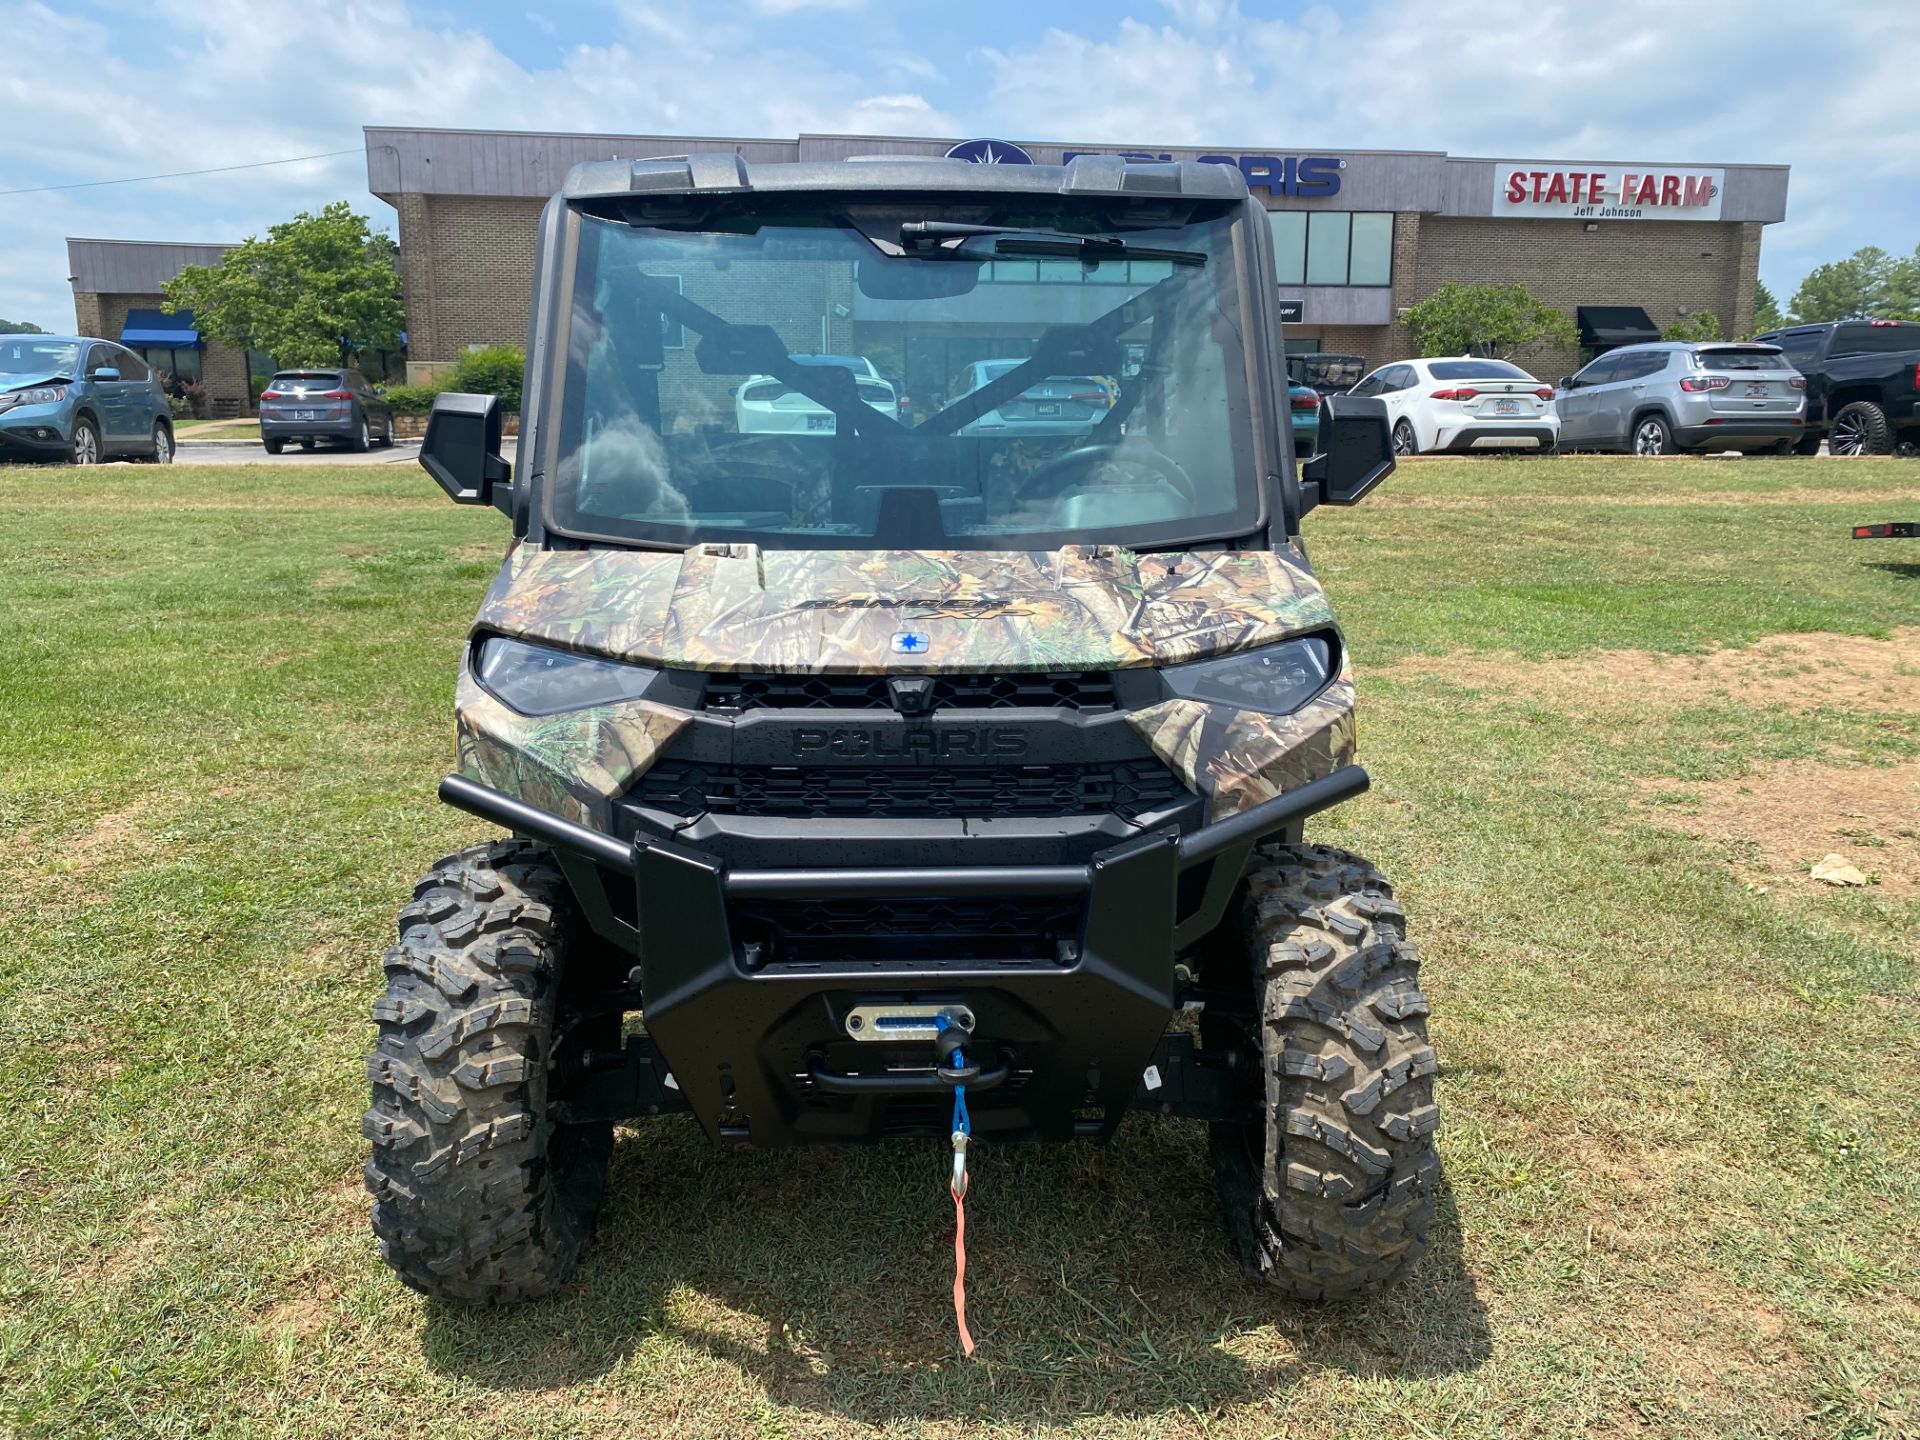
1578 402
109 398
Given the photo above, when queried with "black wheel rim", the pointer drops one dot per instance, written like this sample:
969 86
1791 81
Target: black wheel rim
1849 437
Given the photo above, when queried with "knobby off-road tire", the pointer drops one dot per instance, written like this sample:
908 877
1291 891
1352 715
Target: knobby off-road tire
1331 1194
478 1195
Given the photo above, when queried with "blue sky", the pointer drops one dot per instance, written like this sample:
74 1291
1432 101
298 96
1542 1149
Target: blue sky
99 91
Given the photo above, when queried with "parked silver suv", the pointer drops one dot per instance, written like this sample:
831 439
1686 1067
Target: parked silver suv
1670 396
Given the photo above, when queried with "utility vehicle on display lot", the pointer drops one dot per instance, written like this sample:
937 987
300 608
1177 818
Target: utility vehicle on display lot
854 772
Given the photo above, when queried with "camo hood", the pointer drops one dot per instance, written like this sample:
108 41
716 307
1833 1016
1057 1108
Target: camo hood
739 607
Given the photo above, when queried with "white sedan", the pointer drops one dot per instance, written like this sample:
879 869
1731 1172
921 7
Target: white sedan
764 405
1458 405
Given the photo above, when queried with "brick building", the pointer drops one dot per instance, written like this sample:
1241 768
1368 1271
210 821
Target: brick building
116 296
1361 234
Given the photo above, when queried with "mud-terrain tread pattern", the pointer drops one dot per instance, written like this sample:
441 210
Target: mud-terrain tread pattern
1349 1169
478 1198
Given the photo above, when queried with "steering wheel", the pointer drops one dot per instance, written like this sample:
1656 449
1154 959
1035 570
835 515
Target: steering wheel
1056 475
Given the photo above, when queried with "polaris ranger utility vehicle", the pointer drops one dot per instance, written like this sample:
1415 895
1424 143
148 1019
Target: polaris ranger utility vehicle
846 769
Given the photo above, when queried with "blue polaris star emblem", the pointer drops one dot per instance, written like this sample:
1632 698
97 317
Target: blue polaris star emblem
990 152
910 642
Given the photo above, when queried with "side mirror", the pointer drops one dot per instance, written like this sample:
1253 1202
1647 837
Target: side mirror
105 372
462 449
1355 452
379 389
1565 382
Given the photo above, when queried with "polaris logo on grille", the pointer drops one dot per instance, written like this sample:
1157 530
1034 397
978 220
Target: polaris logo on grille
848 744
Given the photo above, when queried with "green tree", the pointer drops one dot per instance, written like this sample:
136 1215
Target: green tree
317 286
1869 284
1700 325
1495 320
1766 310
20 327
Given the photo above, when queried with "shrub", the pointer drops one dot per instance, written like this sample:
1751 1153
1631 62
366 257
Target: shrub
411 399
1700 325
494 370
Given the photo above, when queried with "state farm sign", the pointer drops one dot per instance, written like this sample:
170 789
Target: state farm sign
1605 192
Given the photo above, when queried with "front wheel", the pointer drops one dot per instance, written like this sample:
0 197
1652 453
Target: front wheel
162 443
85 448
1861 429
1405 442
481 1194
1653 436
1331 1192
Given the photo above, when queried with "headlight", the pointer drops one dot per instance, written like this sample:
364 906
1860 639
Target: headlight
1276 680
43 395
536 680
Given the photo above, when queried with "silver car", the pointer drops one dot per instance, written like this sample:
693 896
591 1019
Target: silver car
1671 397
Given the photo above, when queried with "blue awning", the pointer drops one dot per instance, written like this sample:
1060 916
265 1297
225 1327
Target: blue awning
158 328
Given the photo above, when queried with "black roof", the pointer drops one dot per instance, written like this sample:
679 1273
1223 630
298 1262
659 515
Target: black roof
726 172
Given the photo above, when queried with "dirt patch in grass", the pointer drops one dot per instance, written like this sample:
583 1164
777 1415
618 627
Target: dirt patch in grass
1799 673
1781 819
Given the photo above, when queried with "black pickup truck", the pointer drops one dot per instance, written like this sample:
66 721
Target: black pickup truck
1863 383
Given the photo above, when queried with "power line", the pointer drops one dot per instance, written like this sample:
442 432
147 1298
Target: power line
179 174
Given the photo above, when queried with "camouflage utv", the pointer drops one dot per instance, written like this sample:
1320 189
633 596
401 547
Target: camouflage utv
905 677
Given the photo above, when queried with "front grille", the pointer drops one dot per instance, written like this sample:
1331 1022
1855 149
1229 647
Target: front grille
910 928
1129 789
1063 690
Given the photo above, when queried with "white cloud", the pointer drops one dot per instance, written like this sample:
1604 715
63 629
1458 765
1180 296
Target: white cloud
223 88
1834 100
180 84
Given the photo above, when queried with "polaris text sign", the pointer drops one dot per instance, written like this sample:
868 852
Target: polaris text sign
1303 177
1605 192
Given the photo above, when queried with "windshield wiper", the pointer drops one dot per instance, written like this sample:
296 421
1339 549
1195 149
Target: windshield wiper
1012 240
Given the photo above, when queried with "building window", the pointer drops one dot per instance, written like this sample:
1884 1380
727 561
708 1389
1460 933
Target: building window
1371 253
1332 247
183 361
1289 245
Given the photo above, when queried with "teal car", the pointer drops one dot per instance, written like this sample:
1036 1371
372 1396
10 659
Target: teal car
1303 401
82 400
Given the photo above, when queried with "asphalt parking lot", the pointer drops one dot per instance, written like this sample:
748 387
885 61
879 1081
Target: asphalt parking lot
250 452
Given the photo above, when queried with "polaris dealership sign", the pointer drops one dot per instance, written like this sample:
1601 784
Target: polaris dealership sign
1545 191
1303 177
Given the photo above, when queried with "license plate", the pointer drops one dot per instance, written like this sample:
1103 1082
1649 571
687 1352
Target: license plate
820 422
1758 388
1506 407
1046 408
304 414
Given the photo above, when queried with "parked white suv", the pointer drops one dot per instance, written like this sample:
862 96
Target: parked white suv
1463 404
766 405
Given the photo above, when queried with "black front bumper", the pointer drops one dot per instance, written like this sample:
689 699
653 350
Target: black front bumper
757 1042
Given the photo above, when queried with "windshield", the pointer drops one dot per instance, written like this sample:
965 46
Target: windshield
39 357
1326 372
802 381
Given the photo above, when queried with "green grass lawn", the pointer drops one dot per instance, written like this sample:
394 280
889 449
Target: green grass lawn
1679 1079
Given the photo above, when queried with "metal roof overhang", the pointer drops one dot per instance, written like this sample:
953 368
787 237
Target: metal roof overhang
1615 325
